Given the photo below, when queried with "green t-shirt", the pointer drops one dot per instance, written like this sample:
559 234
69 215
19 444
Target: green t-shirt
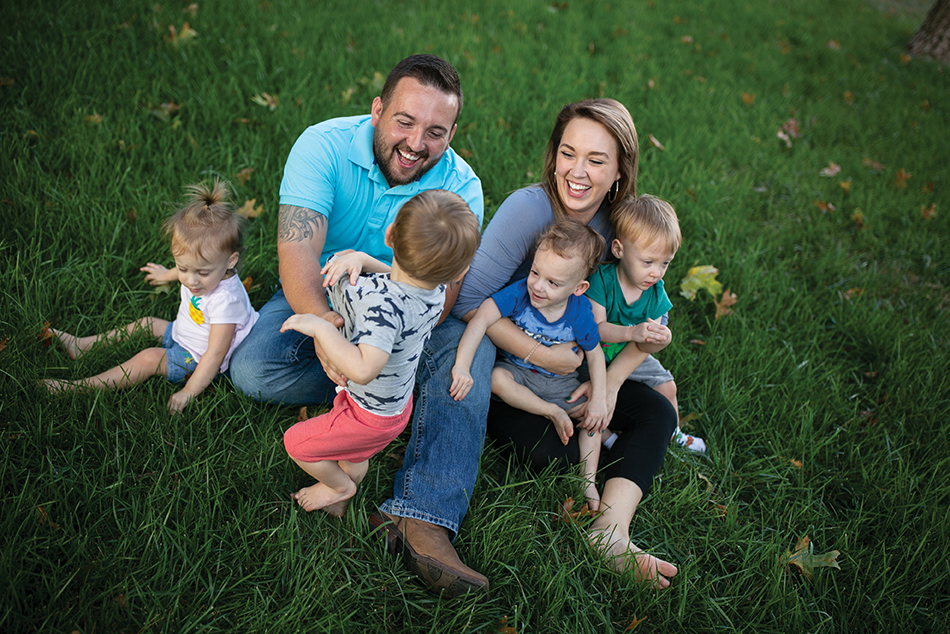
605 290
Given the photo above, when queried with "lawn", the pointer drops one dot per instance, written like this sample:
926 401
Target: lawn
809 162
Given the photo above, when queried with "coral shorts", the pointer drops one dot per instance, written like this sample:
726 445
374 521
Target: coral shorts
346 432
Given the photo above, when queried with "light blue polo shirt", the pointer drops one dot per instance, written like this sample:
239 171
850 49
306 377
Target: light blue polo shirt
331 169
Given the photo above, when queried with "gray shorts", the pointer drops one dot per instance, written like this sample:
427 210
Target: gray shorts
553 389
651 372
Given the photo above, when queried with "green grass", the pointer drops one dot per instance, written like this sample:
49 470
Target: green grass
118 517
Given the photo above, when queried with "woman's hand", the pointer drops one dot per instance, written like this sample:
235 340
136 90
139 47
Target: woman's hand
561 358
157 275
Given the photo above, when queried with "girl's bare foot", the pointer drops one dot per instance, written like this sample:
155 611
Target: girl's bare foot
320 496
70 343
622 555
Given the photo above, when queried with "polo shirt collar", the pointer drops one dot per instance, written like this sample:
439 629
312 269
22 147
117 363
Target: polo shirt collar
361 153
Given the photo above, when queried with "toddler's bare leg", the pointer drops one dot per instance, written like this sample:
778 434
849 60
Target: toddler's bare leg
503 385
77 346
334 485
144 365
356 471
668 389
590 456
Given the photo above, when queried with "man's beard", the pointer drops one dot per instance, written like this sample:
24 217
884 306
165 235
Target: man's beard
384 158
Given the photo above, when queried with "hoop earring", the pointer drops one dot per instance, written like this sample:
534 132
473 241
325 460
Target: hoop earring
615 190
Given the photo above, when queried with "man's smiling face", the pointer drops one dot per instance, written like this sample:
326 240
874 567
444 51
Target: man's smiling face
413 130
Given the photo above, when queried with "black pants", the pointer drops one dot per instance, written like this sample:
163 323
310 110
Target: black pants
643 416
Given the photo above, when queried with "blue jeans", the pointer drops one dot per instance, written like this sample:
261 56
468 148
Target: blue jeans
441 462
279 367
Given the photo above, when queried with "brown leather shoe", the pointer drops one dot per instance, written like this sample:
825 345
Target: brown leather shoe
427 551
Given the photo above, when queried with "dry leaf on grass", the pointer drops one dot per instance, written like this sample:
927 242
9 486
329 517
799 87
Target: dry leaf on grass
723 306
248 210
699 277
805 559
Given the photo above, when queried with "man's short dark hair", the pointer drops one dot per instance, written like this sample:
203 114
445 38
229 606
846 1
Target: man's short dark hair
428 70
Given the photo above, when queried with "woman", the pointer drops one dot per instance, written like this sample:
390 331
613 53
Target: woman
590 162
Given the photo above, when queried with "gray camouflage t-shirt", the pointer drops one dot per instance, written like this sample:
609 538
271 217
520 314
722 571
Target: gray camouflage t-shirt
396 318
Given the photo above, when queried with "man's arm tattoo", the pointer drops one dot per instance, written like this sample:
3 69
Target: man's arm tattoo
298 223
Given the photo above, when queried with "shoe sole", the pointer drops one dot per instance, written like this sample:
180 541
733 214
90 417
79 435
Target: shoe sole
439 579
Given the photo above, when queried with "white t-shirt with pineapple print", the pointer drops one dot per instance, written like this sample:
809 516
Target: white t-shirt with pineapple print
228 303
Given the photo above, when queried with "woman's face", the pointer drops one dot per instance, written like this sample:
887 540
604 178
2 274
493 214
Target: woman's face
587 166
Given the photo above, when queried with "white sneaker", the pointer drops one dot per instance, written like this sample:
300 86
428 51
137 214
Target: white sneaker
693 443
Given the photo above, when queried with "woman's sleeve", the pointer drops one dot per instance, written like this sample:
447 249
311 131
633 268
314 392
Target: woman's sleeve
506 244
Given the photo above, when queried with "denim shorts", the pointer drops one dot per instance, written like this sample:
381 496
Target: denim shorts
179 361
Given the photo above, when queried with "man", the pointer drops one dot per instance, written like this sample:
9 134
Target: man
343 183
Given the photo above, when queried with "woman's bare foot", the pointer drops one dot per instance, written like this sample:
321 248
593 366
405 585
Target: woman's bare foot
70 343
622 555
320 496
55 386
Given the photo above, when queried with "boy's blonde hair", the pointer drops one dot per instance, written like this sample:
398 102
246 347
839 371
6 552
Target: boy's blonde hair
207 223
648 220
569 239
435 236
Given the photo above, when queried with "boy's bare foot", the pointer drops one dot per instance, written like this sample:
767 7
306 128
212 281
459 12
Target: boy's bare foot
622 555
320 496
70 343
593 497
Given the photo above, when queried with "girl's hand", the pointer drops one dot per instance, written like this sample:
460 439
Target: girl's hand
178 401
157 275
347 262
462 382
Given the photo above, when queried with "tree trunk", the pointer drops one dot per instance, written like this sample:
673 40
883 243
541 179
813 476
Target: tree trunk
932 39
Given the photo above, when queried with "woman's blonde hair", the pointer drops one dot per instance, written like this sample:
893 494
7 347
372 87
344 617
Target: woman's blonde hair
617 120
207 223
435 236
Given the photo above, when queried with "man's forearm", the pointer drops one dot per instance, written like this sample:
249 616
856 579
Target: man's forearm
301 234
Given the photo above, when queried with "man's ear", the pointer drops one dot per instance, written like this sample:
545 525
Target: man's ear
376 111
233 260
582 288
616 247
388 237
452 133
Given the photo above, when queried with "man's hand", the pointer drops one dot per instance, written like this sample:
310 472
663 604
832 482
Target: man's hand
335 319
